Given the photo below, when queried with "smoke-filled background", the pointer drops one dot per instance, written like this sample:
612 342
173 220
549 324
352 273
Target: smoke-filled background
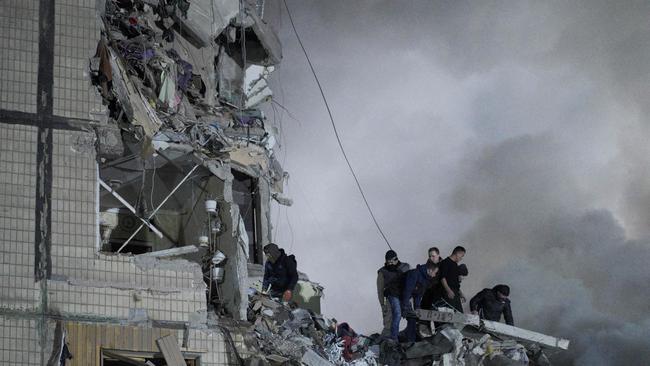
518 129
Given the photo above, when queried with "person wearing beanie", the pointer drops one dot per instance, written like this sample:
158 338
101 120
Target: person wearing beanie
491 303
389 286
280 272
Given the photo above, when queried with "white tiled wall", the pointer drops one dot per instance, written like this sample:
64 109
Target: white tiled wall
76 34
18 54
17 211
19 342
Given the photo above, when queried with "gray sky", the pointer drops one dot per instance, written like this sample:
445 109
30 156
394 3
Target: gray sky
518 129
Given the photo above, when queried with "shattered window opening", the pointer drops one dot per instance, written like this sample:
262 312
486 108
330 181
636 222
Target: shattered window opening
138 189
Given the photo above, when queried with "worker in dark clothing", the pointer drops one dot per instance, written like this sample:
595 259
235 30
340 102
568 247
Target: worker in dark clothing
491 303
280 273
390 278
416 281
450 279
462 273
430 292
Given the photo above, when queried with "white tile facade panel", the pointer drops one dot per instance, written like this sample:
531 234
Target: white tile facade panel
19 54
19 342
90 283
74 186
213 343
77 30
17 211
115 303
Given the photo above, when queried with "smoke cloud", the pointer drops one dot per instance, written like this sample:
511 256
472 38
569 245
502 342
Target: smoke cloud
518 129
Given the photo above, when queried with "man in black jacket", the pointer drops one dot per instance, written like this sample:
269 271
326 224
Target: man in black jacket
490 304
280 273
389 289
450 273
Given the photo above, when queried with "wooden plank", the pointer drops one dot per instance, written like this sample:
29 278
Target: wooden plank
81 346
168 345
92 343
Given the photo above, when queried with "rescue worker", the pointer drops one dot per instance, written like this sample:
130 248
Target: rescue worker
280 273
431 293
491 303
450 279
389 285
433 255
416 281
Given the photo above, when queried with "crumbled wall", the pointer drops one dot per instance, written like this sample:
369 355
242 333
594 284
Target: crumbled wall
85 286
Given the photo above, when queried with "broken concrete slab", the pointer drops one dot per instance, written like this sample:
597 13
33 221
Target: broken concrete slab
266 48
447 317
434 346
311 358
206 19
109 142
134 104
525 335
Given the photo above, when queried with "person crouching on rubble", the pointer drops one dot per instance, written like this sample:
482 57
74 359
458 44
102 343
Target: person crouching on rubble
416 281
491 303
389 286
280 273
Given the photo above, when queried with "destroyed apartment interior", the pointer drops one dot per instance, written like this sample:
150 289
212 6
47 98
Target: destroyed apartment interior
139 168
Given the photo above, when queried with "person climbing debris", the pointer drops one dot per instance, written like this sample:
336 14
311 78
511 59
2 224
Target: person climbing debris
491 303
280 273
415 282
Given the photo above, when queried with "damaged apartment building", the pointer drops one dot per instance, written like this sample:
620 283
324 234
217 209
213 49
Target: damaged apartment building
138 172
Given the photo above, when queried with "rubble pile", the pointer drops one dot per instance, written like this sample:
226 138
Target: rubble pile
295 336
183 80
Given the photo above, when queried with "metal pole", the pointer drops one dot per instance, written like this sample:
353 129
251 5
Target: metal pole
159 206
131 208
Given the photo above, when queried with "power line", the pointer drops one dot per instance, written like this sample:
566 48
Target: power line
336 133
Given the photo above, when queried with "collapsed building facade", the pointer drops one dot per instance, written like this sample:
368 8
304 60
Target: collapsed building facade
138 172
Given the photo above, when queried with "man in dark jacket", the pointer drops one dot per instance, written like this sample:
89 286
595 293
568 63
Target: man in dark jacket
490 304
280 273
431 293
416 281
389 287
450 279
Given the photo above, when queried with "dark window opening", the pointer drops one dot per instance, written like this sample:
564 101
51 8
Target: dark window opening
135 358
148 205
245 195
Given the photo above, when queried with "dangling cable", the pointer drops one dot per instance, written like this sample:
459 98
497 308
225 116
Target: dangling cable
336 133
